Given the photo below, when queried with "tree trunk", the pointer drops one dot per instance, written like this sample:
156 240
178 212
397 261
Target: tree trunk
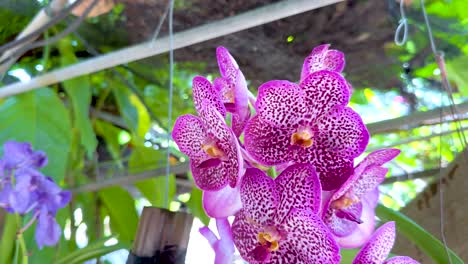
425 210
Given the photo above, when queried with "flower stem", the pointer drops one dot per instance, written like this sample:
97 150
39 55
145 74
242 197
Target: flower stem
22 244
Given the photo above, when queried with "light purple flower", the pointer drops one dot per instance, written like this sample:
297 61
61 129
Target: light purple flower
321 58
19 155
350 213
233 89
215 158
224 246
47 230
24 189
222 203
308 123
376 250
278 222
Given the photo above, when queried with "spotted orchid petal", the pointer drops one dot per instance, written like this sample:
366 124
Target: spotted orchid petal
227 64
325 91
331 168
376 250
298 187
244 232
360 184
202 90
224 246
222 203
307 233
377 158
230 169
343 132
280 103
401 260
257 186
321 58
267 144
189 135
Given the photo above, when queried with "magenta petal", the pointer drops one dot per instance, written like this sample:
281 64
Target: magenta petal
259 196
202 90
189 134
401 260
222 203
362 232
267 144
298 187
325 91
307 234
377 158
208 235
342 132
227 64
216 128
323 59
244 233
280 103
369 180
376 250
209 178
333 169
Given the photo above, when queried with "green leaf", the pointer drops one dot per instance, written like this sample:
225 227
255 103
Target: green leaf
348 255
92 251
196 207
132 110
144 159
430 245
457 72
110 134
122 212
39 117
154 190
7 243
79 91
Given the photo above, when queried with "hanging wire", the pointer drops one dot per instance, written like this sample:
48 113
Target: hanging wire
446 85
169 110
402 25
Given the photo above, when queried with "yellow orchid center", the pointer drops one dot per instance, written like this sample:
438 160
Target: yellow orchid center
343 202
212 150
303 138
269 239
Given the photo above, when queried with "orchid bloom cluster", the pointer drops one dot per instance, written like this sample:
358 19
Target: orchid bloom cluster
24 189
320 202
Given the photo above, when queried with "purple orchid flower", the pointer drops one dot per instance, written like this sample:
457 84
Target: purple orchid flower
278 222
350 213
233 89
308 123
376 250
321 58
224 246
215 158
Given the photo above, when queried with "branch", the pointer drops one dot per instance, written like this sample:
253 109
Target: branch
186 38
